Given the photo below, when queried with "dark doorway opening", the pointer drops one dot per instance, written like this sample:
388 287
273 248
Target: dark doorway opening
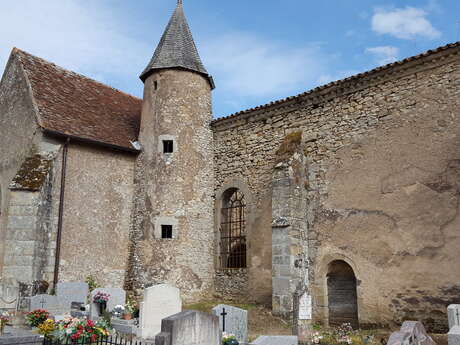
342 296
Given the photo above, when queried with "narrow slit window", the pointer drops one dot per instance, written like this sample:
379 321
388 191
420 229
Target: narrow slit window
166 231
155 85
168 146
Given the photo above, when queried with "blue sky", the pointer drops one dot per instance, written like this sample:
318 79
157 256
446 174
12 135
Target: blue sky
257 51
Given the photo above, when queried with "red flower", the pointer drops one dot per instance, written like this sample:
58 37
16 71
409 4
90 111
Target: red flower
90 323
93 337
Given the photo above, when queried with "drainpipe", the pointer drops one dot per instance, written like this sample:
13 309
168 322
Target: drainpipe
61 212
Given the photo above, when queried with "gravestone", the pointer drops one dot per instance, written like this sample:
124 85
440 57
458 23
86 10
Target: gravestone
9 296
453 314
117 297
71 292
453 337
47 302
411 333
232 320
189 328
14 336
305 307
160 301
276 340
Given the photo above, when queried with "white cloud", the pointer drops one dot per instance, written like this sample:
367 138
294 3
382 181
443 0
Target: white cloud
384 54
81 36
247 65
403 23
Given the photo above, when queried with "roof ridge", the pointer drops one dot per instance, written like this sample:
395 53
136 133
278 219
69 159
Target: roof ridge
341 81
16 50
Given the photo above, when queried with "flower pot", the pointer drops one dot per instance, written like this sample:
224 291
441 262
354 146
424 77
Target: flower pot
102 307
127 316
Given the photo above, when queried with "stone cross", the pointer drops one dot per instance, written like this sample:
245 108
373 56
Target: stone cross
179 2
224 314
42 303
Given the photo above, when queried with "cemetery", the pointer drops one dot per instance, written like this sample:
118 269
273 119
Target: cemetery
77 313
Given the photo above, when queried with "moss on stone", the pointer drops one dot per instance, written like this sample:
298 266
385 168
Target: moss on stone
289 145
32 173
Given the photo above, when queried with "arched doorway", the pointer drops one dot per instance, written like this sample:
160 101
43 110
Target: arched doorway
342 296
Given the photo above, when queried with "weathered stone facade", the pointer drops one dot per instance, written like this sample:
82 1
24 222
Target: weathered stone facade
381 153
175 188
358 179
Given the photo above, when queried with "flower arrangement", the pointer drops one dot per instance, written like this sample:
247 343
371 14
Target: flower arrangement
101 297
81 330
37 317
229 339
46 328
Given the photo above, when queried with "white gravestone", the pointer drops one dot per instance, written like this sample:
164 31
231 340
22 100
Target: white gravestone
305 307
235 319
117 297
453 314
160 301
71 292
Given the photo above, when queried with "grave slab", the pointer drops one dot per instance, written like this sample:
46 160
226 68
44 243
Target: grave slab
276 340
49 303
117 297
69 292
236 321
160 301
411 333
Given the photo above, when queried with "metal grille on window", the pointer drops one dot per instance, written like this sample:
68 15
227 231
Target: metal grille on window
233 230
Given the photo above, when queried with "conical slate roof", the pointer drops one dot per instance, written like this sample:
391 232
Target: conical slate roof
177 48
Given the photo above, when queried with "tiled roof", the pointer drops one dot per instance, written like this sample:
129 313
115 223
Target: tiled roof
177 48
339 83
73 105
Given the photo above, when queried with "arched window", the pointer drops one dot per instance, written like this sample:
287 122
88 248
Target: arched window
233 230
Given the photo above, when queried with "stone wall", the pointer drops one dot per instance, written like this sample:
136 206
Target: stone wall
96 217
174 188
18 135
382 153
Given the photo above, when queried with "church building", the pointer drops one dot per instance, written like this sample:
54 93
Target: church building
346 196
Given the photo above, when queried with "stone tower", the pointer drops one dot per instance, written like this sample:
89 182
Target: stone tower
173 236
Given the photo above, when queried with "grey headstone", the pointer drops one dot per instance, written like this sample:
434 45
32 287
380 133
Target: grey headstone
71 292
236 321
276 340
47 302
453 337
117 297
189 328
453 314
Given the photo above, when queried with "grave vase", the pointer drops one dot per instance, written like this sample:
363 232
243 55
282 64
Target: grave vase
102 307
